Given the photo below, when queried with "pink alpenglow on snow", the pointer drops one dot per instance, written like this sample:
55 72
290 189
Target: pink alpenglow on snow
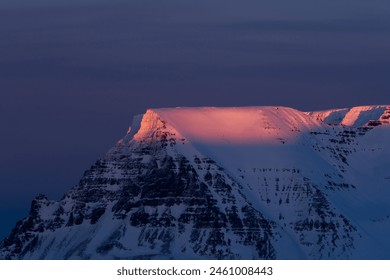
248 125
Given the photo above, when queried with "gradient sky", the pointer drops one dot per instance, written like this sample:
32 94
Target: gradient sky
74 72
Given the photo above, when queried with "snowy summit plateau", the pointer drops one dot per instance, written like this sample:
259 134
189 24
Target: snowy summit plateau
225 183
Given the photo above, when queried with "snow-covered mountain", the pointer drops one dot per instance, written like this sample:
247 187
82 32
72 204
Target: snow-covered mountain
225 183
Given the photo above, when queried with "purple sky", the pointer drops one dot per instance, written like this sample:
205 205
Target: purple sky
73 73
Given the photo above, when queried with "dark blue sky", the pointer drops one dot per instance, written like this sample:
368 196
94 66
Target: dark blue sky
74 72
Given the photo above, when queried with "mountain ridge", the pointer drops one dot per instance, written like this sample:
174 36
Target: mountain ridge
354 116
224 183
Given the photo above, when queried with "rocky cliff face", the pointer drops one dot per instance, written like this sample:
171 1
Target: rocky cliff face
225 183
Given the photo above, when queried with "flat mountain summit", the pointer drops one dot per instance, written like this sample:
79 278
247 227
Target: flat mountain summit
225 183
